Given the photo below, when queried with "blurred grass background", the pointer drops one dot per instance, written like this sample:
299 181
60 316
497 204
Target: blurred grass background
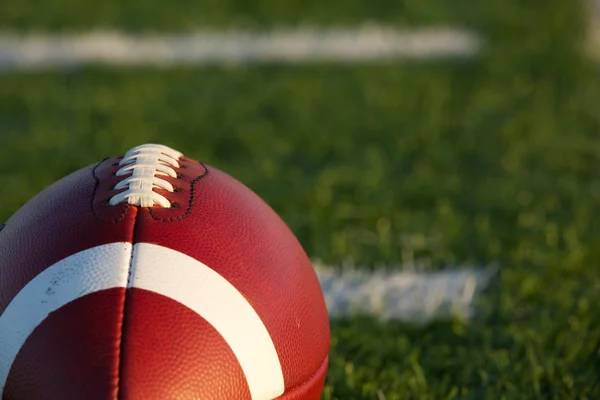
184 15
492 160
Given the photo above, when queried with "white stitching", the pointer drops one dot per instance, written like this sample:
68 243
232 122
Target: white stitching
145 164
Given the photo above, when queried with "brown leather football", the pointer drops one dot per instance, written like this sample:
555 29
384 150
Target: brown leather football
154 276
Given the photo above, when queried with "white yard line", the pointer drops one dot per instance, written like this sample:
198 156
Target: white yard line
403 295
594 27
366 44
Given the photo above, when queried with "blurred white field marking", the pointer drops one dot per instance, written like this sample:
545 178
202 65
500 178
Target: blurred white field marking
366 44
594 27
403 295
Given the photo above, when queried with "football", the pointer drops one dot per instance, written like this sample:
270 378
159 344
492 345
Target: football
154 276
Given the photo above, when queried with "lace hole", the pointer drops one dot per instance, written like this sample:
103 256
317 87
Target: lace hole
176 189
179 176
174 205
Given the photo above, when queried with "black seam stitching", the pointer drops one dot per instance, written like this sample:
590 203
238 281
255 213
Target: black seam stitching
191 202
114 221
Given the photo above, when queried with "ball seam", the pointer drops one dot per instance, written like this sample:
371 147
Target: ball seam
97 185
190 203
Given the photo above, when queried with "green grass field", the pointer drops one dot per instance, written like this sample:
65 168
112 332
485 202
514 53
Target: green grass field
182 15
494 160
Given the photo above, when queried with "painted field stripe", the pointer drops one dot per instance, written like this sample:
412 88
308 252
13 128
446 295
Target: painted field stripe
198 287
400 294
89 271
365 44
593 15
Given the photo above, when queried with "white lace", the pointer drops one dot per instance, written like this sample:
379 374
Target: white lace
146 163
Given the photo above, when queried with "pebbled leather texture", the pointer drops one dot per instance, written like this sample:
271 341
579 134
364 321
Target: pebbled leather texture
59 222
129 343
73 354
310 389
